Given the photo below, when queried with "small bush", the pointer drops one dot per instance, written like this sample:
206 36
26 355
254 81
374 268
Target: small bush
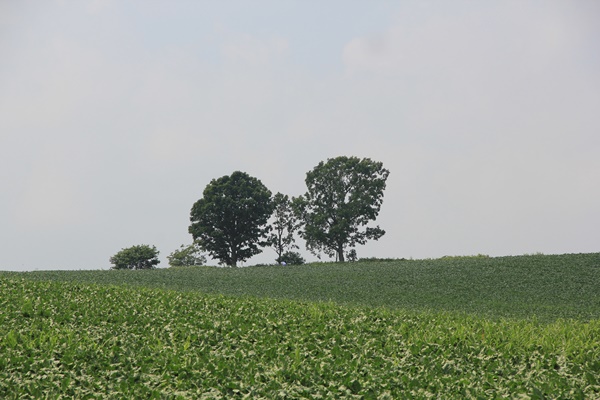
351 255
292 258
187 256
136 257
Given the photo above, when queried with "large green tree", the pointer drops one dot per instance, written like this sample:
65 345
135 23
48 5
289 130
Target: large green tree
230 220
136 257
344 195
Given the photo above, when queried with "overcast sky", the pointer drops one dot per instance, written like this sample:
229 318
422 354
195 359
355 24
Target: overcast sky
115 115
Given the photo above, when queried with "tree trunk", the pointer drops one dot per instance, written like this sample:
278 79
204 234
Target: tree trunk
340 252
233 256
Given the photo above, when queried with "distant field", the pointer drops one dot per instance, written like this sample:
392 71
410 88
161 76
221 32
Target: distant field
543 287
86 341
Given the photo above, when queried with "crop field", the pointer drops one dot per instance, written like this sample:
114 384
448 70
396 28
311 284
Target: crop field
544 287
187 334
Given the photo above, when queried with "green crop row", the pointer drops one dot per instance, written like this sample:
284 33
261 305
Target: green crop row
546 287
69 340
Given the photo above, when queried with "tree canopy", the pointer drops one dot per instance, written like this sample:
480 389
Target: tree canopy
136 257
230 220
344 194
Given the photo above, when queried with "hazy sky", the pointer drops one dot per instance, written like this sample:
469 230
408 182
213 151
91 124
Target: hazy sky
115 115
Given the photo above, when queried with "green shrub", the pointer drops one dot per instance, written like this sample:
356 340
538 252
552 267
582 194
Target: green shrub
136 257
187 256
292 258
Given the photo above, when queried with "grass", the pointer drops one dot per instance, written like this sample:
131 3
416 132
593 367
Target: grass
544 287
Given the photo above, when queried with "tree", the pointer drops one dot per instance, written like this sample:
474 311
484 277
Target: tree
344 194
230 220
136 257
283 227
187 256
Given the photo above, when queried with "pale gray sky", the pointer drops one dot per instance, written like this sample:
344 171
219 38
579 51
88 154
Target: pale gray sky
114 116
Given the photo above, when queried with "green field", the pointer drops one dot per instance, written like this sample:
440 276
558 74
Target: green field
511 327
545 287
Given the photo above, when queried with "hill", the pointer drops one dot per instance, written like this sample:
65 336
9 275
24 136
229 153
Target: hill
544 287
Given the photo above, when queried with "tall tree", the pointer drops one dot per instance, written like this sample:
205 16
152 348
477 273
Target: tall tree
344 195
283 226
230 220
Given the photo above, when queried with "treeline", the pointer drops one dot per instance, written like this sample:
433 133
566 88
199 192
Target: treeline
238 216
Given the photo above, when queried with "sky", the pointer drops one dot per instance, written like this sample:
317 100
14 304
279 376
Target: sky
115 115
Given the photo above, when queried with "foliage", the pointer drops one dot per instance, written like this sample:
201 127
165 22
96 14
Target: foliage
57 340
352 256
546 288
283 227
230 220
187 256
344 195
136 257
292 258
